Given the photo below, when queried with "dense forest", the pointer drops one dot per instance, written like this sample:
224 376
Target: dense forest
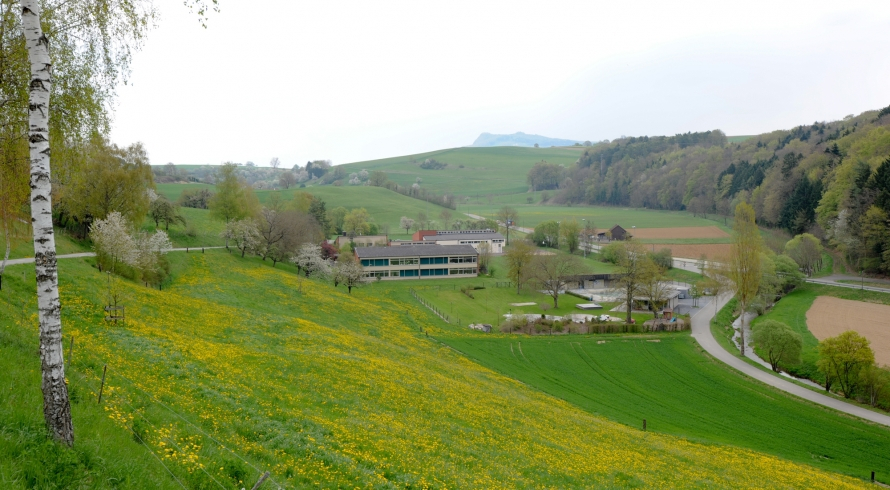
831 179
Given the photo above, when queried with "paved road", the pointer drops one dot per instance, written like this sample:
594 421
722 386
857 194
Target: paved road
833 279
30 260
701 332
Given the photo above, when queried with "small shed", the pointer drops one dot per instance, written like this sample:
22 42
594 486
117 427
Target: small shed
618 233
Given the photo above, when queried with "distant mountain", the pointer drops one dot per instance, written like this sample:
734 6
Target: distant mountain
520 139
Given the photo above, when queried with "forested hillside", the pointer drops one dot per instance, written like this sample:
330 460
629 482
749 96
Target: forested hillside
828 178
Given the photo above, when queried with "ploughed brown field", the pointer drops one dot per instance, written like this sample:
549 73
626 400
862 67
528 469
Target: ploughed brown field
829 317
681 232
713 251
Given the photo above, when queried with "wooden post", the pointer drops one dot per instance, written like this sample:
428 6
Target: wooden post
70 352
872 476
102 386
202 249
186 250
644 424
260 481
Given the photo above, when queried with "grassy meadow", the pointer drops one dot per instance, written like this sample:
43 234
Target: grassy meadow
237 367
679 390
385 207
470 171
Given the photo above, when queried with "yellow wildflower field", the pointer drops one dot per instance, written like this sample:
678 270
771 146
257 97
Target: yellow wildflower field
238 367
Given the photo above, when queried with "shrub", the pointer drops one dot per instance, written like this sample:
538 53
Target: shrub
611 253
195 198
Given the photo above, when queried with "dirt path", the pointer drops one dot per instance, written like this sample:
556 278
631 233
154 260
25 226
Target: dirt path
30 260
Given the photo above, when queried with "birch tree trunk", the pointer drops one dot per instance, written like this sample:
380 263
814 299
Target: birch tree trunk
56 407
6 254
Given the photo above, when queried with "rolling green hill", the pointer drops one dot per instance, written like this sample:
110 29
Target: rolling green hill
470 171
237 367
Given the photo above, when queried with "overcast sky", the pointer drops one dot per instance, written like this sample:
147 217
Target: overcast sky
351 81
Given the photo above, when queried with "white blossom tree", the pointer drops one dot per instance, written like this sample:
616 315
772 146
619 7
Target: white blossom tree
310 261
406 223
243 233
149 249
112 242
349 273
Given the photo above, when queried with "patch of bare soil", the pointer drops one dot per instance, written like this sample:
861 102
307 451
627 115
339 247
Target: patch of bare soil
829 317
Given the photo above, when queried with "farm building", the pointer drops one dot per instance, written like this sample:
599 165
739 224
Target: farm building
618 233
419 261
474 238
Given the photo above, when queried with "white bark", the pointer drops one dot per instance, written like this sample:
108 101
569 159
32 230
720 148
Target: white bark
6 254
56 407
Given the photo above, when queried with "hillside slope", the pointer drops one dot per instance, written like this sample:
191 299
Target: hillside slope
239 367
470 171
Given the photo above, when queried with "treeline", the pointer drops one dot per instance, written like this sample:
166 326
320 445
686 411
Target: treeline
830 179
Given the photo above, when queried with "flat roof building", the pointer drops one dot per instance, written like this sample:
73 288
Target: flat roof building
419 261
474 238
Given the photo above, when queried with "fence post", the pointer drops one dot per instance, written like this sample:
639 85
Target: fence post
102 386
644 424
260 481
186 250
872 476
70 352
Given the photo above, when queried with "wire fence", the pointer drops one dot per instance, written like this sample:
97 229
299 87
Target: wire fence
140 413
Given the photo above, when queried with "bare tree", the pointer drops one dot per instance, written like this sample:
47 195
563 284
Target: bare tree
287 179
655 285
552 273
508 217
519 257
274 162
271 225
632 268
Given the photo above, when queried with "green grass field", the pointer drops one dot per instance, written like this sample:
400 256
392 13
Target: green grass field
385 206
235 359
679 390
602 216
497 170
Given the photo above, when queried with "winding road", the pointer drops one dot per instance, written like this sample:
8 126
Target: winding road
701 332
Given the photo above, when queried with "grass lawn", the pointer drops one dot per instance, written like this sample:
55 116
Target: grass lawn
679 390
235 359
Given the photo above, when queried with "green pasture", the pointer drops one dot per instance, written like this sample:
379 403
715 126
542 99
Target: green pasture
679 390
603 217
496 170
385 207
